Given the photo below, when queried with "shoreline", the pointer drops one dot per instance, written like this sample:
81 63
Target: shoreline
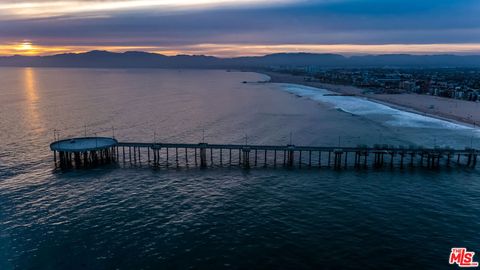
413 103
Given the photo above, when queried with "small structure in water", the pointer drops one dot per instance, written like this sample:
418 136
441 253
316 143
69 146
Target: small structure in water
84 152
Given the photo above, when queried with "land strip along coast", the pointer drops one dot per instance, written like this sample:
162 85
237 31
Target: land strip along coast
445 108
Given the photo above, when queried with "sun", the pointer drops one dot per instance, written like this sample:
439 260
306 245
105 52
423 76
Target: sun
25 46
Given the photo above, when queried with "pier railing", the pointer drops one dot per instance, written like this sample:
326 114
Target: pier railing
166 155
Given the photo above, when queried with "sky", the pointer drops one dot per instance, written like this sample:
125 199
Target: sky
228 28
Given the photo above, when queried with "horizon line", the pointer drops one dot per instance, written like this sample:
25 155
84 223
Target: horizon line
29 48
347 55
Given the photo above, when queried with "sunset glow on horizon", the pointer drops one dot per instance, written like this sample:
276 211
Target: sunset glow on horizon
236 50
30 49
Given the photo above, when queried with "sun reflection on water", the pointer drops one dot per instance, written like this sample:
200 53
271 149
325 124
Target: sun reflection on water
32 97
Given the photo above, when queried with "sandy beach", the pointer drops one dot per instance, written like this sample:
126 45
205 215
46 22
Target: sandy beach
451 109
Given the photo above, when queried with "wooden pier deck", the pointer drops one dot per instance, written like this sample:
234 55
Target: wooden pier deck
166 155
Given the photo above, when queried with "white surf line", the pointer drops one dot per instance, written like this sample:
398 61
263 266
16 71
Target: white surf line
365 107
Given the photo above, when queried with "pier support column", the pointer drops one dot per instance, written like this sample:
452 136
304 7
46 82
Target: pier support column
168 162
86 162
310 158
246 157
203 155
290 155
60 157
135 154
239 156
69 160
337 162
196 162
156 156
176 156
300 159
221 157
365 165
329 159
78 161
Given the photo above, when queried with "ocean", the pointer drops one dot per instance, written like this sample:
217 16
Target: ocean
221 218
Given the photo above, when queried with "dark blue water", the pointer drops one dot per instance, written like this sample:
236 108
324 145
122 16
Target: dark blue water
221 218
133 218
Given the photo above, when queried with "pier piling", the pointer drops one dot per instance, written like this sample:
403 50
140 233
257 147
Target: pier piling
203 155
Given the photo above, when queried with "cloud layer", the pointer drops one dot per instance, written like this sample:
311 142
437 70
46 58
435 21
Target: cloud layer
441 25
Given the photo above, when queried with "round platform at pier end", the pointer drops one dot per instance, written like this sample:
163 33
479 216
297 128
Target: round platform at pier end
83 144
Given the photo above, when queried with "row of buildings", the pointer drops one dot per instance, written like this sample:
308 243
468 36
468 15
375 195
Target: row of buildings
447 82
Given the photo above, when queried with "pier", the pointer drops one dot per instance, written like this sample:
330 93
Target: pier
93 151
84 152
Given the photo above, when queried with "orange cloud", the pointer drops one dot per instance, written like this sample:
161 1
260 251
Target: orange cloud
30 49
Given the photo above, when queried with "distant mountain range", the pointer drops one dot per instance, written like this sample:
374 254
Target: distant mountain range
105 59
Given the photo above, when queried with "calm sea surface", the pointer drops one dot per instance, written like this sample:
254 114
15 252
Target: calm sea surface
139 218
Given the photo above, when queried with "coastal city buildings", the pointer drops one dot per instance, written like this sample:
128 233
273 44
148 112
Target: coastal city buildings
454 83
